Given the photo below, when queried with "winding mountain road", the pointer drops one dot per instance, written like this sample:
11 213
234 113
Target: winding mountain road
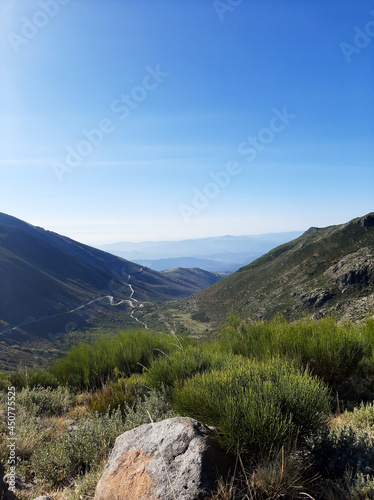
129 301
135 300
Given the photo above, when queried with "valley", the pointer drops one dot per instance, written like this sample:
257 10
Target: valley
56 292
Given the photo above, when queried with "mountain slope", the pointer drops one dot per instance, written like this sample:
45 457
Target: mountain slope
326 270
194 277
48 280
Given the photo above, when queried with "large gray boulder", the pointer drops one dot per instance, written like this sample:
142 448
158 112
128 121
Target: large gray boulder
173 459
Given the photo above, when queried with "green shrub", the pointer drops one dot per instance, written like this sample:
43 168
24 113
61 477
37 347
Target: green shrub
124 391
331 351
346 449
77 451
155 405
368 333
255 406
45 401
183 364
5 382
349 487
363 417
29 377
362 486
30 434
91 366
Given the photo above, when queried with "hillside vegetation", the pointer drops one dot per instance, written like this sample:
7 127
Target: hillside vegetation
290 399
325 271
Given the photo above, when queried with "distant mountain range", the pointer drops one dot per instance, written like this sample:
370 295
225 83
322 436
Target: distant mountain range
224 254
49 282
325 271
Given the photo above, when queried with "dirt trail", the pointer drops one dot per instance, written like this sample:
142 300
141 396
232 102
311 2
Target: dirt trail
129 301
135 300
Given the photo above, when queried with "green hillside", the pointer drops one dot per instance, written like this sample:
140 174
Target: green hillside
326 270
194 277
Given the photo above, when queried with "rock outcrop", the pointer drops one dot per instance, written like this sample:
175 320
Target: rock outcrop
173 459
315 298
368 221
355 270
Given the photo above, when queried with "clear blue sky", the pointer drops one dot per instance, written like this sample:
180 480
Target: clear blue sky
279 93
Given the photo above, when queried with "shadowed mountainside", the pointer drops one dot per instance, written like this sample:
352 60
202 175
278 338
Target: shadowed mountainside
49 281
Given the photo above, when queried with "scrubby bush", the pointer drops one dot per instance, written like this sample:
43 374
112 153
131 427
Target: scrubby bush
91 366
255 406
184 363
362 487
331 351
28 377
30 434
124 391
5 382
337 451
45 401
350 487
155 405
368 331
77 451
363 416
84 447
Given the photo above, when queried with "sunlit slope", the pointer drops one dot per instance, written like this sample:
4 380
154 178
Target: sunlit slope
326 270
